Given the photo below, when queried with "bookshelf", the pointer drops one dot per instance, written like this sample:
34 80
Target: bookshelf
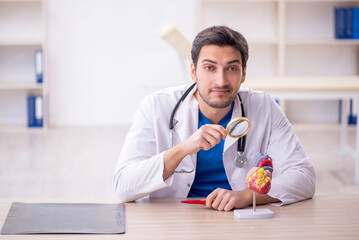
291 42
22 32
293 54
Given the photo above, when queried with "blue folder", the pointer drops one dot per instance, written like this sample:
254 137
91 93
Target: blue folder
35 111
340 23
355 22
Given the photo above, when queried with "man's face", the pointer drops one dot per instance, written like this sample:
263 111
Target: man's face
218 75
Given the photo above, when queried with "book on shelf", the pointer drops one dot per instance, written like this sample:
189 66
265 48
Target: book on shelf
340 22
352 118
348 25
39 66
35 114
347 22
355 23
352 115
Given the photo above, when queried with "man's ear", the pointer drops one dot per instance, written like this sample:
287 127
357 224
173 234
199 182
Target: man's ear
244 74
193 73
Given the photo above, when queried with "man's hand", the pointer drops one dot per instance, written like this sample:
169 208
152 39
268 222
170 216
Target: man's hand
253 169
259 181
226 200
206 137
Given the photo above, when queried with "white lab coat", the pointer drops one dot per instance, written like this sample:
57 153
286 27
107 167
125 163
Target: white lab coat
140 166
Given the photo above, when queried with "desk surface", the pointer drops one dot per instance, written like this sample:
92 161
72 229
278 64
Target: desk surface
326 217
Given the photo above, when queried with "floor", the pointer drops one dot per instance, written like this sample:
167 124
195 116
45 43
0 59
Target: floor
79 162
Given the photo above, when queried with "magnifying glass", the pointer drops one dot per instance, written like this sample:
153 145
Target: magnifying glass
238 128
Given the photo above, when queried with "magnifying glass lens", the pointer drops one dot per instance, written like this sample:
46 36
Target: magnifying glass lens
238 127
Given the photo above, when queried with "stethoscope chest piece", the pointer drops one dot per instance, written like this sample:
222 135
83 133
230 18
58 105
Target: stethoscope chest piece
240 160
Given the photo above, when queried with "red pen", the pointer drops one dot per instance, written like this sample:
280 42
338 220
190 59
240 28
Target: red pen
194 201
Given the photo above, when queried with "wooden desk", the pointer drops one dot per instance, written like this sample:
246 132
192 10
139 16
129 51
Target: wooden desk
324 217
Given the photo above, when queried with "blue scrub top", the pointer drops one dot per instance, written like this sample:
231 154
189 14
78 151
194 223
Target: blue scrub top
210 173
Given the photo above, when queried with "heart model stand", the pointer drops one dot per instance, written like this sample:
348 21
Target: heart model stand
261 184
253 213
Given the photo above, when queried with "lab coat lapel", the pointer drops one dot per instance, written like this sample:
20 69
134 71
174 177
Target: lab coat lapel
237 112
187 117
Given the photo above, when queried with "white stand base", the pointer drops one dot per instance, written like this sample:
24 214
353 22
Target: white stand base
249 213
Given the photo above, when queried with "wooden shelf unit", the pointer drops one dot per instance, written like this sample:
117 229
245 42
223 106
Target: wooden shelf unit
23 27
278 29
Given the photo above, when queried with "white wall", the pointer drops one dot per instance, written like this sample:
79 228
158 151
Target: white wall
104 56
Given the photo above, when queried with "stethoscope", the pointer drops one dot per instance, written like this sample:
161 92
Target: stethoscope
239 161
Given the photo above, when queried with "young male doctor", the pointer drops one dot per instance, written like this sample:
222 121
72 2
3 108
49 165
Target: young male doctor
196 159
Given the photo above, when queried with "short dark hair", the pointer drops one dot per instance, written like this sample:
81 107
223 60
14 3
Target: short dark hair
220 36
